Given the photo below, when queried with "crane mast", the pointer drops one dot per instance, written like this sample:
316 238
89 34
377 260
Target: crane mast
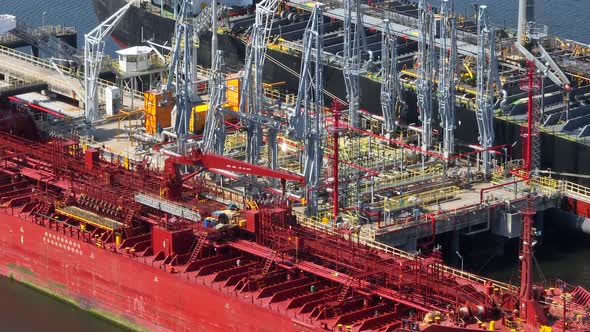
485 88
307 120
446 85
425 72
354 43
94 43
251 91
391 97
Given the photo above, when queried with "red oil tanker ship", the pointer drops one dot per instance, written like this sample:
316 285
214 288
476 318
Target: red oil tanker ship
151 250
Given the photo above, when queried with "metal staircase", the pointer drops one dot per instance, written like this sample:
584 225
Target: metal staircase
47 42
129 216
344 291
268 263
200 243
202 22
44 209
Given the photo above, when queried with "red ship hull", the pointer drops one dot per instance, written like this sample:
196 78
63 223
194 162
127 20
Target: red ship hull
122 289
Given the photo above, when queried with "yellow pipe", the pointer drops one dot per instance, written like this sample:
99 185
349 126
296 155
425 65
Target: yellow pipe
468 70
83 220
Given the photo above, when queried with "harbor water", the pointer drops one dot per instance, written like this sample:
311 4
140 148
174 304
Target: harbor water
560 255
23 309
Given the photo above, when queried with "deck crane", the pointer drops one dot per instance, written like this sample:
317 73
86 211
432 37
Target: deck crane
391 95
183 71
354 42
485 86
214 132
425 72
307 120
94 42
446 85
173 179
251 91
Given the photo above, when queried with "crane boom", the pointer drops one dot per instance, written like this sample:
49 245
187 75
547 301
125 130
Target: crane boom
196 158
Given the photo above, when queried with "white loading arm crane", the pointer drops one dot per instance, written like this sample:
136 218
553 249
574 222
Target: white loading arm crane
93 52
251 91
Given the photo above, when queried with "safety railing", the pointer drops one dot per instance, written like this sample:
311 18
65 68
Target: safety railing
576 191
275 95
67 71
475 278
54 30
234 141
317 224
512 324
391 180
545 184
420 199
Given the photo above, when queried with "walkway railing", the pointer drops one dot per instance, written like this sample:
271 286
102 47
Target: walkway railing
316 224
53 30
67 71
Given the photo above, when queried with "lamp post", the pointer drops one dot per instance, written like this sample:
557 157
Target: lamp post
460 257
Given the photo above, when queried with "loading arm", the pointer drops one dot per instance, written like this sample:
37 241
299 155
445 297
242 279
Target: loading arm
196 158
555 74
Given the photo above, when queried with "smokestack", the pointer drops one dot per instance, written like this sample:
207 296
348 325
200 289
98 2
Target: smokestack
526 13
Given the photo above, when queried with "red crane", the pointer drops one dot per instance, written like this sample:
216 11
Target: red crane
173 180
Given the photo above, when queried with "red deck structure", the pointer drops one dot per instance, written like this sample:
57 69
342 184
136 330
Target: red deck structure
71 225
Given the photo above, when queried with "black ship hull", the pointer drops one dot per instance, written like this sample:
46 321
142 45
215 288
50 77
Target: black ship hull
558 154
140 25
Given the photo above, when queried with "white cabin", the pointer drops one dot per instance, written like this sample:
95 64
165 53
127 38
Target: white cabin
134 59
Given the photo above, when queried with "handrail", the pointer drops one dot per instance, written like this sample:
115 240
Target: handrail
315 223
78 75
54 30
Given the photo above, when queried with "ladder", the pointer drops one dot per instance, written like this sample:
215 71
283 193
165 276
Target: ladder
200 243
202 22
129 217
344 291
132 211
268 263
44 209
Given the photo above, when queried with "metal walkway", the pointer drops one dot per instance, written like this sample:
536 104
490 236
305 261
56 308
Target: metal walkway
401 25
68 83
12 40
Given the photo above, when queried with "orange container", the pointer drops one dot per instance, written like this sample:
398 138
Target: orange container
158 110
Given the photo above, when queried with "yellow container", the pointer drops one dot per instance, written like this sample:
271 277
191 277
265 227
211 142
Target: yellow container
157 110
198 118
118 239
233 92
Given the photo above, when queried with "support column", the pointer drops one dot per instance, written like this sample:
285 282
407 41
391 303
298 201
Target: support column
455 247
411 244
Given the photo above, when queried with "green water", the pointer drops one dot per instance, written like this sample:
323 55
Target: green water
23 309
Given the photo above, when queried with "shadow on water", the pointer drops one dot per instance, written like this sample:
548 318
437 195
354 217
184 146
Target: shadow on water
561 253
